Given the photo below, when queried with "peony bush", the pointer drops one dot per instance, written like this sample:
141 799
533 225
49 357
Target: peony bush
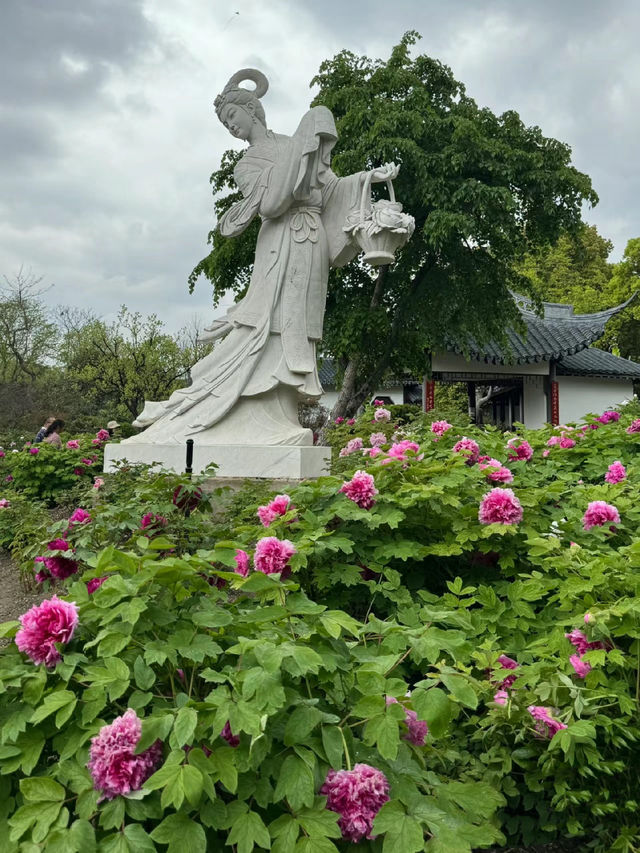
405 655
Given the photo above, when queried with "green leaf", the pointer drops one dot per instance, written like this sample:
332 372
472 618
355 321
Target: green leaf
112 644
295 782
153 729
82 837
384 732
285 830
319 822
182 834
184 726
145 677
192 784
213 617
432 705
318 844
53 702
401 831
139 840
301 723
248 831
223 760
461 688
42 789
333 745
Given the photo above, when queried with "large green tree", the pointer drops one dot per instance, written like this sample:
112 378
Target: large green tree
484 190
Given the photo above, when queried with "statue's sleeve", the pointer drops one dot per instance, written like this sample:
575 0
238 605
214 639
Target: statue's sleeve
341 196
252 182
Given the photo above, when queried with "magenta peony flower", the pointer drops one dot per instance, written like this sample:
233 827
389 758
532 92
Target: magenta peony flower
79 516
272 555
382 415
578 639
361 489
545 725
339 421
599 513
87 462
438 428
2 454
501 697
59 568
518 448
53 621
242 562
589 617
469 448
357 796
185 499
581 667
98 483
114 767
228 735
378 402
280 505
4 503
351 421
417 729
566 442
103 435
95 583
609 417
616 472
34 451
96 442
509 664
496 471
377 439
500 506
73 444
152 522
8 478
634 426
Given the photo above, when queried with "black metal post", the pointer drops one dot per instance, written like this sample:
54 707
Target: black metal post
189 465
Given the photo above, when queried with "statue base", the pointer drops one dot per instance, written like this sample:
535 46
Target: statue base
291 462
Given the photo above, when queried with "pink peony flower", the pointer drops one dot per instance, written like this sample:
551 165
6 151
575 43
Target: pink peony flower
272 555
566 443
545 725
59 568
98 483
152 522
634 426
469 448
578 639
382 415
378 402
599 513
228 735
95 583
372 452
351 421
361 489
280 505
73 444
357 796
103 435
339 421
588 617
96 442
351 447
519 449
616 473
242 562
79 516
53 621
500 506
377 439
399 450
496 472
4 503
114 767
2 454
581 667
417 729
501 697
34 451
554 440
87 462
438 428
609 417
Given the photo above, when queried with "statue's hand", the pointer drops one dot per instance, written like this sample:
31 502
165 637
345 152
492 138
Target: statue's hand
387 172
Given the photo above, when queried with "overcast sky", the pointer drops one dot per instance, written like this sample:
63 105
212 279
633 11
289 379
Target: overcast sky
108 134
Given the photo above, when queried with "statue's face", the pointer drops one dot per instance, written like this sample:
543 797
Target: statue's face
237 120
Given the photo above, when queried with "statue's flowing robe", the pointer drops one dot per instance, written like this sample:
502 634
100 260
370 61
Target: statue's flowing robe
288 182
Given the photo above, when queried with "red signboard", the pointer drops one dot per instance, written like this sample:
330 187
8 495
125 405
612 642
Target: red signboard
555 404
429 395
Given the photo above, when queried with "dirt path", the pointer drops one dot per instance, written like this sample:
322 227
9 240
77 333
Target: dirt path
14 601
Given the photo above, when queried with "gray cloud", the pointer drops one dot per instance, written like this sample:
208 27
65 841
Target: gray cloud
108 135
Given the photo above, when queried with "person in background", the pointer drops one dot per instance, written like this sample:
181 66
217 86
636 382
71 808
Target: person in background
43 430
111 426
51 435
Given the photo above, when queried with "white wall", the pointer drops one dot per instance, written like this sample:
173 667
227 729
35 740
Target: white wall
534 401
579 395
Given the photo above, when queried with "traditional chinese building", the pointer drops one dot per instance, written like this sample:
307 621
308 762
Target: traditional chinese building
548 373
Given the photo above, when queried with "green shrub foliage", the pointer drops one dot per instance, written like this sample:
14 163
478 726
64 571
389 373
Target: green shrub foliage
464 623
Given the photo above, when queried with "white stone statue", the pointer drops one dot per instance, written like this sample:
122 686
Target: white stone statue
246 391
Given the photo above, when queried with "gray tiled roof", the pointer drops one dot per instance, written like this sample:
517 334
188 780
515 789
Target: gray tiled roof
559 333
597 362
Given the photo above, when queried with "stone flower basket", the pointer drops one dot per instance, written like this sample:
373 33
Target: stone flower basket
379 227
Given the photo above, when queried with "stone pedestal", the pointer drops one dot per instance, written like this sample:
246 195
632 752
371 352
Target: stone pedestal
293 462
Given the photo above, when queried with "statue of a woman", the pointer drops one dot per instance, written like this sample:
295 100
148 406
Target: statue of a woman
246 391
